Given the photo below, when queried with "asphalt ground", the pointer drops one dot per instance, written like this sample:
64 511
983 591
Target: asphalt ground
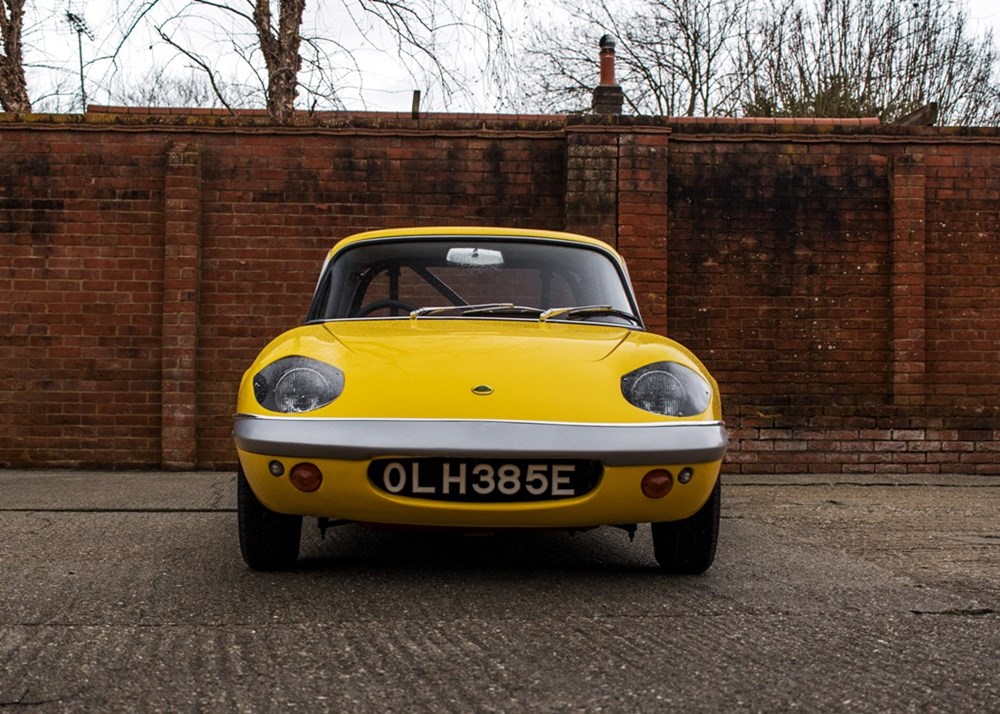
126 592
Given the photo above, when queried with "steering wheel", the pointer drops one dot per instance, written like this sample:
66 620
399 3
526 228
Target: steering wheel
384 305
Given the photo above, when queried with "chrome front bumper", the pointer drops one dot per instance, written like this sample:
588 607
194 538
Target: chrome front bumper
362 439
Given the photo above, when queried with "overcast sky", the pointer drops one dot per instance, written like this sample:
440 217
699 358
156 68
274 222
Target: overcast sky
382 84
984 11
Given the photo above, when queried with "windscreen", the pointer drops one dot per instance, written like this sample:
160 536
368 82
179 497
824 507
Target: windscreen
445 277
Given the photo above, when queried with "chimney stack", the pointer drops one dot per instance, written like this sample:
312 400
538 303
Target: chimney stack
608 96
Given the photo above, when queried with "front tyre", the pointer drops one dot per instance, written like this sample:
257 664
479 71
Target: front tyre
268 540
687 547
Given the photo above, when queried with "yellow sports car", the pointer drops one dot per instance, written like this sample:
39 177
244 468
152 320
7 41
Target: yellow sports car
478 379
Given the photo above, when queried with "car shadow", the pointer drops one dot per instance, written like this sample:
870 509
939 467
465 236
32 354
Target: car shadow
353 548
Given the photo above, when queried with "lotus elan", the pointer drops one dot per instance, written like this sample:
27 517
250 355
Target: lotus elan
478 379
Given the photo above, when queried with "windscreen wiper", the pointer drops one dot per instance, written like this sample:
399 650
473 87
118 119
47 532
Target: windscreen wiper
505 309
588 311
432 311
509 308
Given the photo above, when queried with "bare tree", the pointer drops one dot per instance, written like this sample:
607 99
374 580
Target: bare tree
842 58
281 54
287 58
691 44
278 45
832 58
160 88
13 87
674 57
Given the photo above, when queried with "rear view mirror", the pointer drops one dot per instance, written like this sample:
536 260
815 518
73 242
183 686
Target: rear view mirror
475 257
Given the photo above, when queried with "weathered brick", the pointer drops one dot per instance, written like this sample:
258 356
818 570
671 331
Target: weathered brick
843 292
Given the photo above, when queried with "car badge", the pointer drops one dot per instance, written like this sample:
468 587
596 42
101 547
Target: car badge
483 390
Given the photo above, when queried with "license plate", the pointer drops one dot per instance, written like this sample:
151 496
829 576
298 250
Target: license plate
485 480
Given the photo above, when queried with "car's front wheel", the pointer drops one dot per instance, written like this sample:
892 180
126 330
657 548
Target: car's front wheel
687 547
268 540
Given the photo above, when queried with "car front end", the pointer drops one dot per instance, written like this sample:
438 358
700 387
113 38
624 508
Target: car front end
520 413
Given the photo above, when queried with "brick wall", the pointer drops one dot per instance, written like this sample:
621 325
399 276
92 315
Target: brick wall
81 289
840 279
843 288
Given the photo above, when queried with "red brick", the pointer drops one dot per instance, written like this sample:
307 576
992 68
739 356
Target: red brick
826 284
